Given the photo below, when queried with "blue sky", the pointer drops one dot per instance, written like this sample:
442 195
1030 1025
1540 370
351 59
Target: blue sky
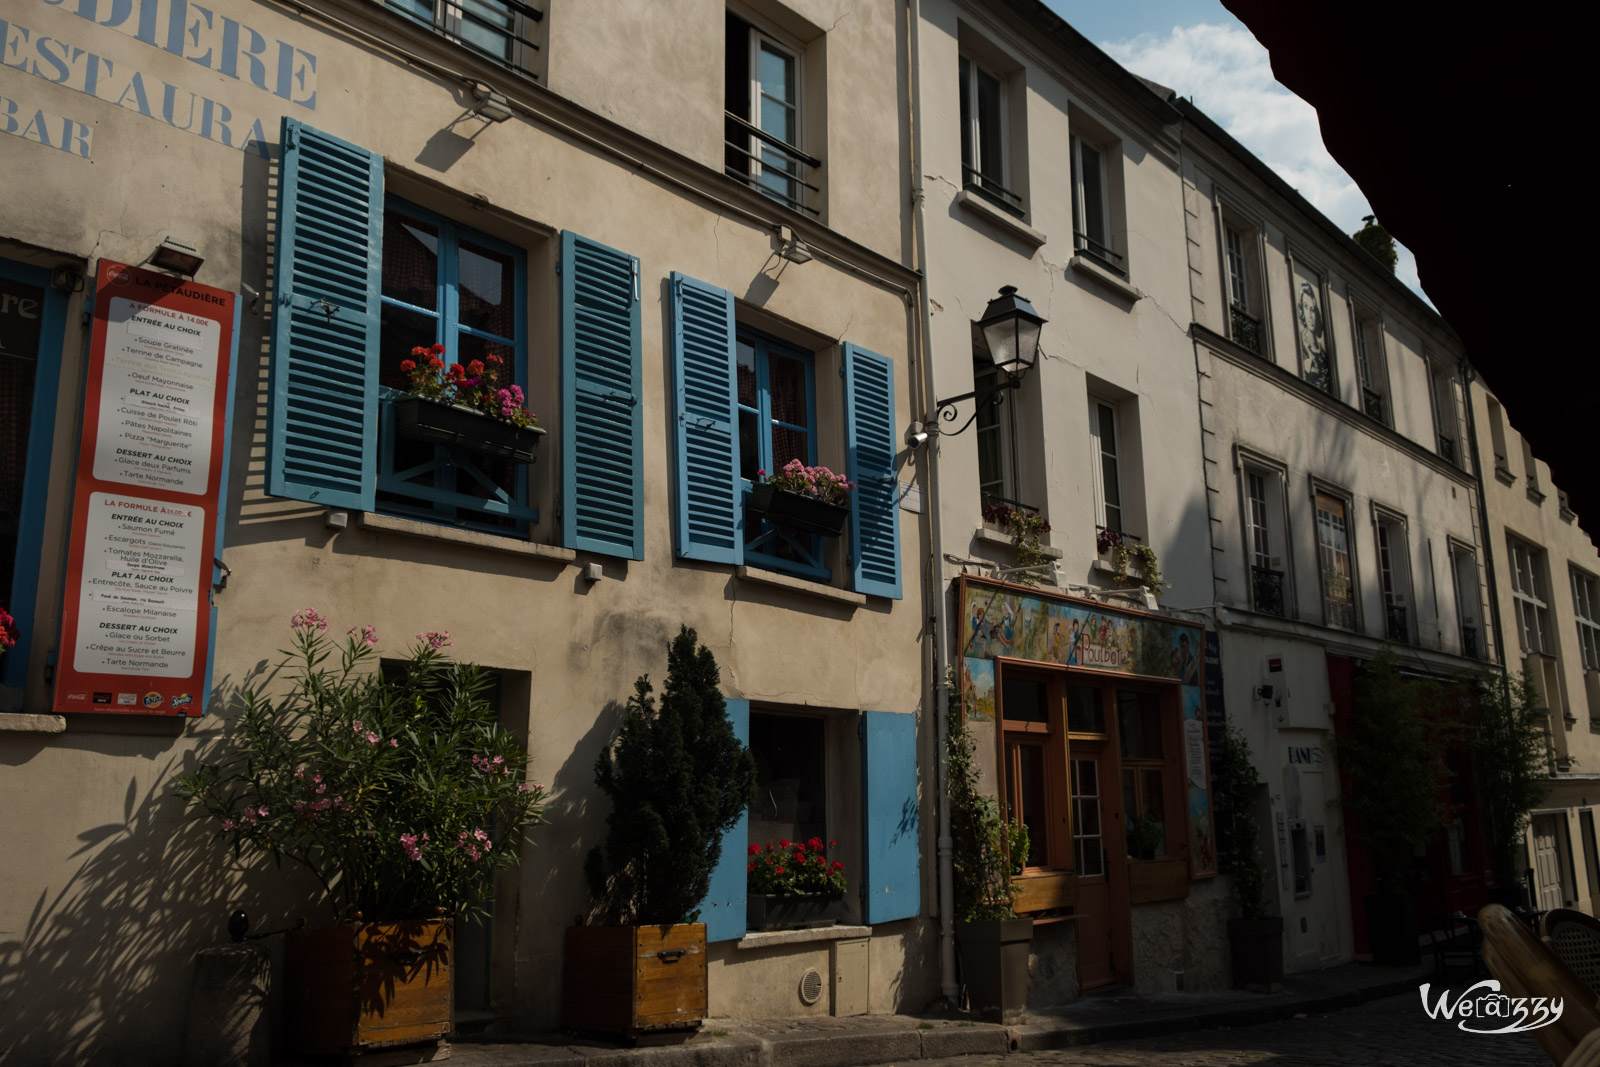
1199 49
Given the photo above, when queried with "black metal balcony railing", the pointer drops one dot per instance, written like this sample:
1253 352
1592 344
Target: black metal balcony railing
1098 252
1447 447
1469 642
775 168
1396 625
1246 328
501 30
1372 403
990 189
1266 591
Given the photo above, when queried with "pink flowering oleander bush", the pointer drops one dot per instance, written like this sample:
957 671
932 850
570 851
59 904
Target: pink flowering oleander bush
395 787
819 483
477 384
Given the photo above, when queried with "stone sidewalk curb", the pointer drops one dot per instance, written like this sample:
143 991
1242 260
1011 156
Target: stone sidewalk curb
868 1040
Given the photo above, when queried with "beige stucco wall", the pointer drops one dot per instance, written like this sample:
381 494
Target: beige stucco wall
1535 514
110 890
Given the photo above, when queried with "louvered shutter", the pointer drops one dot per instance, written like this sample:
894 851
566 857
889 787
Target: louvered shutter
870 449
602 438
708 523
323 408
723 909
892 841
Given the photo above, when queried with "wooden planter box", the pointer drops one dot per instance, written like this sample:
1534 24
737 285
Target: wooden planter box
364 986
1152 880
632 979
1043 892
796 511
994 967
417 418
771 911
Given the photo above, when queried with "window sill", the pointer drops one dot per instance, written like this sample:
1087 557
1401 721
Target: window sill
1567 514
996 537
756 576
769 938
20 723
1535 496
1134 573
475 538
1000 220
1095 272
1505 475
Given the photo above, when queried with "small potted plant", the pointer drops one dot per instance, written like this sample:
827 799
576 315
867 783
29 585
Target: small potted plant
1026 528
994 942
811 499
468 407
792 885
1255 937
1144 837
678 778
400 793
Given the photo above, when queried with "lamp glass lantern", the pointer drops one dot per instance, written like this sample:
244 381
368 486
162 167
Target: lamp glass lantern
1010 328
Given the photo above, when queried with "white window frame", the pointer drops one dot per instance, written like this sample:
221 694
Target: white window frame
969 70
1467 592
792 178
1532 608
1391 537
1586 610
1242 269
1238 282
1105 250
1117 456
1265 526
996 417
1372 363
1446 411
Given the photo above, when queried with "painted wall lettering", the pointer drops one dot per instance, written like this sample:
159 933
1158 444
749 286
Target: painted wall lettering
1308 754
208 40
115 82
44 127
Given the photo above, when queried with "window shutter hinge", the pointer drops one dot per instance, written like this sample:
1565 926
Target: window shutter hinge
558 266
634 267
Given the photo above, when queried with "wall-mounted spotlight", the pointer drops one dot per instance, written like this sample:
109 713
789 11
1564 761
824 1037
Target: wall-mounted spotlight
175 256
492 105
790 246
1010 329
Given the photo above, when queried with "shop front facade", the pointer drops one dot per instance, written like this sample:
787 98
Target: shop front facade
1089 725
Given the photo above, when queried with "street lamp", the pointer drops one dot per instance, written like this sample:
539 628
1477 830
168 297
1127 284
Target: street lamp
1010 329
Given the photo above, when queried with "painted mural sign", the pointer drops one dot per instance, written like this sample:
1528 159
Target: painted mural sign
136 628
1002 621
111 51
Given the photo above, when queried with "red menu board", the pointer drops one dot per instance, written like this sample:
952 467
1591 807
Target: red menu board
136 625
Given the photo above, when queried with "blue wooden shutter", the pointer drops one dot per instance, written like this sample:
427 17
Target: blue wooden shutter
870 445
723 910
893 849
322 418
602 434
705 449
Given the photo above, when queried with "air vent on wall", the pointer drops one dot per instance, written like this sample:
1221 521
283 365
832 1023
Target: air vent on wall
811 986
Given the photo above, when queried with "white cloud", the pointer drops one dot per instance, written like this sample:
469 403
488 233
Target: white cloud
1228 75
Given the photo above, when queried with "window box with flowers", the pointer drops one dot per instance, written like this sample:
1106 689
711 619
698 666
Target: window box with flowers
810 499
792 885
465 407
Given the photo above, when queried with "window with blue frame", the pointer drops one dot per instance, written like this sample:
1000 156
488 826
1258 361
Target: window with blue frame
777 424
360 279
32 315
745 402
445 284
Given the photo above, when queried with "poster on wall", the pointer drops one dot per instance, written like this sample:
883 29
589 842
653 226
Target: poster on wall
136 617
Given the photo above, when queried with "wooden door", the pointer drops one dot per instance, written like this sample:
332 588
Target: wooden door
1096 962
1547 861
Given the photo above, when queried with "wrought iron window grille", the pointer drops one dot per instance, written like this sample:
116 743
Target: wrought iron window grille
975 181
1246 328
781 178
1266 591
1110 260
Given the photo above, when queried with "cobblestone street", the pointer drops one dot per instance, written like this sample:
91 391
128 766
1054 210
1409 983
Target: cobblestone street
1393 1032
